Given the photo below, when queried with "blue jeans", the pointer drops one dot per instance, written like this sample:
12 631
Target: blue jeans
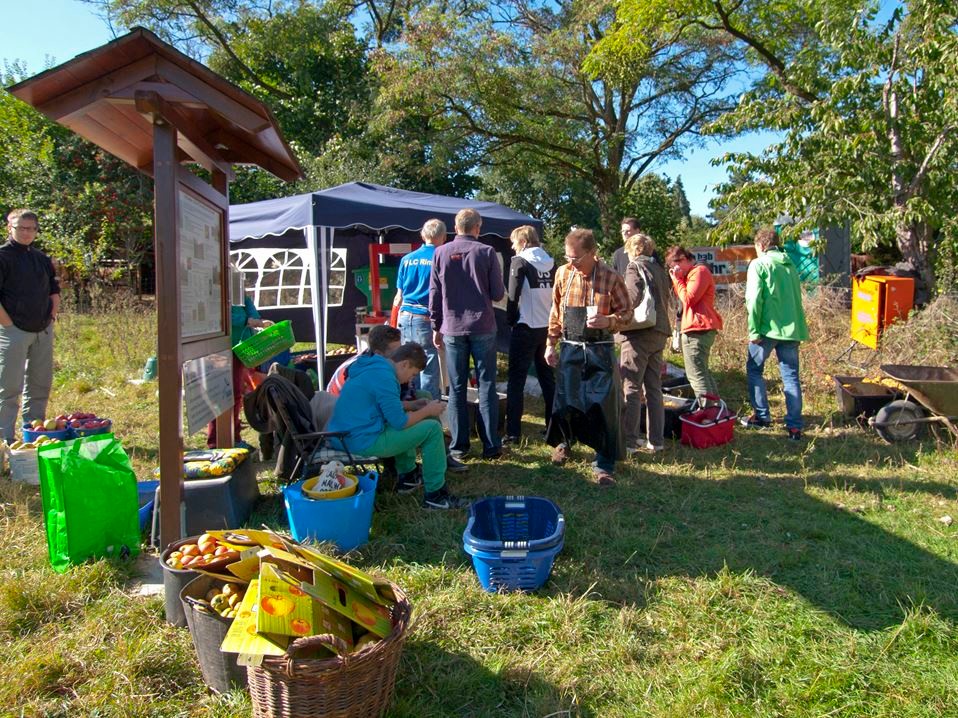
417 328
482 349
787 353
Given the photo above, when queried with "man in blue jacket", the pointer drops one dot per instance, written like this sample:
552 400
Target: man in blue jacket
466 279
371 413
29 304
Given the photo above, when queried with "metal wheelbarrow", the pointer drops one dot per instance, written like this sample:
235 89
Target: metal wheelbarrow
931 395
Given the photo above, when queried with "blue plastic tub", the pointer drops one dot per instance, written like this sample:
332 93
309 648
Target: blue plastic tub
34 434
513 541
146 491
344 522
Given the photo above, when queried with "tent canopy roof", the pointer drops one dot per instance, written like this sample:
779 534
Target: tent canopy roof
366 205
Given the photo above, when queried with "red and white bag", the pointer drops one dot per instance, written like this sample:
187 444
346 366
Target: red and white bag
706 426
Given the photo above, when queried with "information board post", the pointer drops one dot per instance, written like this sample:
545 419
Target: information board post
169 354
224 423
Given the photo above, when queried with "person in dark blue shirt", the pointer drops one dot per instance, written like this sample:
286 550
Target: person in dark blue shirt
29 304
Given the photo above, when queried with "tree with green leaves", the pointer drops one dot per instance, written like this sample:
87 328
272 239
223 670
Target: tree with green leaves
508 77
866 102
310 64
92 206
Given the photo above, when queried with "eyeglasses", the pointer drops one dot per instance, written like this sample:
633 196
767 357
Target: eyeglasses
26 228
574 260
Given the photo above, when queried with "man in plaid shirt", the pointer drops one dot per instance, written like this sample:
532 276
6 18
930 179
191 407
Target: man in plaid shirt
589 303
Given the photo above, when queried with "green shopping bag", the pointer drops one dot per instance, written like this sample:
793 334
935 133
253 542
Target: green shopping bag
90 503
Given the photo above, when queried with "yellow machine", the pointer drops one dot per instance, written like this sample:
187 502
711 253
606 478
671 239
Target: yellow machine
877 301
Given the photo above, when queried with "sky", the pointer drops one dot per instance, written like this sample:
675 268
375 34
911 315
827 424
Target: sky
43 33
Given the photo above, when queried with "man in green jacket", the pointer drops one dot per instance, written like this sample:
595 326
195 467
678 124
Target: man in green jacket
776 320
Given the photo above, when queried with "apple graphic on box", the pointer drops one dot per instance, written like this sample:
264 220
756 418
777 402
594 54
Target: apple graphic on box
277 605
300 626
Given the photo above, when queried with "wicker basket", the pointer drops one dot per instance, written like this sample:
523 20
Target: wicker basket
265 344
353 685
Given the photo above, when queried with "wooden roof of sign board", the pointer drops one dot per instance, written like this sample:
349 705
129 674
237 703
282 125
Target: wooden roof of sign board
110 96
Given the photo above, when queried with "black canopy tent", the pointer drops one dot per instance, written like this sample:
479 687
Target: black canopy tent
298 254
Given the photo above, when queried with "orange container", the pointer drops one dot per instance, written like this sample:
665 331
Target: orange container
877 302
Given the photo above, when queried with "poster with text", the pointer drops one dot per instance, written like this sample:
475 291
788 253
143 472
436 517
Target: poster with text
200 227
207 388
729 265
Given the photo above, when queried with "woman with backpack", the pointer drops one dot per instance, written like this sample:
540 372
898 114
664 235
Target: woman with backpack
642 343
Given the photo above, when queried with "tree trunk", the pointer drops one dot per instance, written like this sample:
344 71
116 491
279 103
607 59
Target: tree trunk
913 240
607 199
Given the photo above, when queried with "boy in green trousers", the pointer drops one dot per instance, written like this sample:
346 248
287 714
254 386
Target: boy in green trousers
371 413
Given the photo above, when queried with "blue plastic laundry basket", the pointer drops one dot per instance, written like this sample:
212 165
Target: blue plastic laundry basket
344 521
513 541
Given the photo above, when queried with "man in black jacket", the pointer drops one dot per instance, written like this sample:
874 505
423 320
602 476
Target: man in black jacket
29 304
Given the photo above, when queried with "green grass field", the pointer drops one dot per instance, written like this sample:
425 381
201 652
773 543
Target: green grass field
758 579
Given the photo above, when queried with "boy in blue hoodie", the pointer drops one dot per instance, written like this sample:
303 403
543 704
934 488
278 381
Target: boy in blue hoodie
371 413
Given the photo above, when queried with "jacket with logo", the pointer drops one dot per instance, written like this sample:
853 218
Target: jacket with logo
531 274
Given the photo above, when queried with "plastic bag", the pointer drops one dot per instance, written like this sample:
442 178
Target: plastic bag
90 502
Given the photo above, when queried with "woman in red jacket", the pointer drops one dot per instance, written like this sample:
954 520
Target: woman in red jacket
695 288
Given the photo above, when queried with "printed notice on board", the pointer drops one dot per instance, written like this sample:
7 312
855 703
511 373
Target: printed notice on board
201 272
208 388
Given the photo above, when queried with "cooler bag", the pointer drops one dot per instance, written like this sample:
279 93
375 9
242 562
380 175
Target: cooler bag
706 426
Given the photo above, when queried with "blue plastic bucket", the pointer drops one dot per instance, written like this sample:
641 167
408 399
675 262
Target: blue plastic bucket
344 522
34 434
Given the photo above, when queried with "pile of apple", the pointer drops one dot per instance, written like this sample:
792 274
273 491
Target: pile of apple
205 551
58 424
42 440
81 420
224 600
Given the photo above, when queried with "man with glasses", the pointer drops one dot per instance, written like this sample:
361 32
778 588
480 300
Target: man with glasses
29 304
589 303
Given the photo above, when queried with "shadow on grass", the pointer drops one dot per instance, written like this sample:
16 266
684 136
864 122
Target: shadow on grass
437 683
655 524
750 506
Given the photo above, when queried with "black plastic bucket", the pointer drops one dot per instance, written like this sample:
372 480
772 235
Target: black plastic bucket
208 630
173 582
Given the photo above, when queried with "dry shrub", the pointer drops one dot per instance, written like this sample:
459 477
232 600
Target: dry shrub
929 337
828 317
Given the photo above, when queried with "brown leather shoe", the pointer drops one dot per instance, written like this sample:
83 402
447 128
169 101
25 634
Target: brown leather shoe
560 454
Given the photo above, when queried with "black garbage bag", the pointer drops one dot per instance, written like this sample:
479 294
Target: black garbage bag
587 399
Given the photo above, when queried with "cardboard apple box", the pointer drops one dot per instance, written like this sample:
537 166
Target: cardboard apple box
242 636
332 592
284 608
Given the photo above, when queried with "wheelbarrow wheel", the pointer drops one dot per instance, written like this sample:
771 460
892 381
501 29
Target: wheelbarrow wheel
900 421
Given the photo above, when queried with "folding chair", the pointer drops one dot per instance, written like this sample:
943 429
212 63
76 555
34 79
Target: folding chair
314 448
